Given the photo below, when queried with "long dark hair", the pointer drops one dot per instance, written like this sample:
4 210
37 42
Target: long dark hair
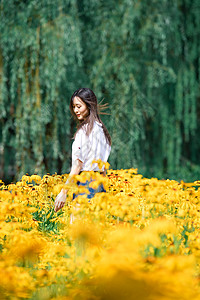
90 99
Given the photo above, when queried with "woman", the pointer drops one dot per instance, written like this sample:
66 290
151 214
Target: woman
92 140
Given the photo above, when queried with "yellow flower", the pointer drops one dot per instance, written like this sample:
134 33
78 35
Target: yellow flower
35 178
85 233
26 246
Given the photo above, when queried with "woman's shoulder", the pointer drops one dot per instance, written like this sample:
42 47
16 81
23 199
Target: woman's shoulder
97 126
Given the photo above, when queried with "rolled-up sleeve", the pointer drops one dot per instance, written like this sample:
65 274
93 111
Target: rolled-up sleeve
80 147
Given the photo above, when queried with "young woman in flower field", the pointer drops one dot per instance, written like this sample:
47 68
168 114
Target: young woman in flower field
92 140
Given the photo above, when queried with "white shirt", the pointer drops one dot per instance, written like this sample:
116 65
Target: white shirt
89 148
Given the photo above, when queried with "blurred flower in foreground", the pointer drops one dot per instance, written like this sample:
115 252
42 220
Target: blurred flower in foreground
26 246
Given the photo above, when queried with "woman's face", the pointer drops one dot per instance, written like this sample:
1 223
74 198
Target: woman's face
80 109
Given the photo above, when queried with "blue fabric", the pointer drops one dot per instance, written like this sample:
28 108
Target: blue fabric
92 191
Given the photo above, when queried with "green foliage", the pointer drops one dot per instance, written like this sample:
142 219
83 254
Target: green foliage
47 219
41 58
142 57
185 233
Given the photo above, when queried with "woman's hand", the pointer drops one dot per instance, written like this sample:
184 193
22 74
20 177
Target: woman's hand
60 200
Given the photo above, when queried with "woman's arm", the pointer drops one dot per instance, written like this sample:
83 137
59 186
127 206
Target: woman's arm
61 198
75 170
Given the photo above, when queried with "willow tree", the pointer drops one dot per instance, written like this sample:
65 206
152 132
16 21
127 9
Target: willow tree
143 57
140 56
40 67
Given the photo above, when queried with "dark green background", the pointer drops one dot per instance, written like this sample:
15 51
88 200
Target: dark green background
142 57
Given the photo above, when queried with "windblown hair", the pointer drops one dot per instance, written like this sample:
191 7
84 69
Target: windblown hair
90 99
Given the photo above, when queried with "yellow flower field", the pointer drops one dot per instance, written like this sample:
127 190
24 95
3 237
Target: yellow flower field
139 240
